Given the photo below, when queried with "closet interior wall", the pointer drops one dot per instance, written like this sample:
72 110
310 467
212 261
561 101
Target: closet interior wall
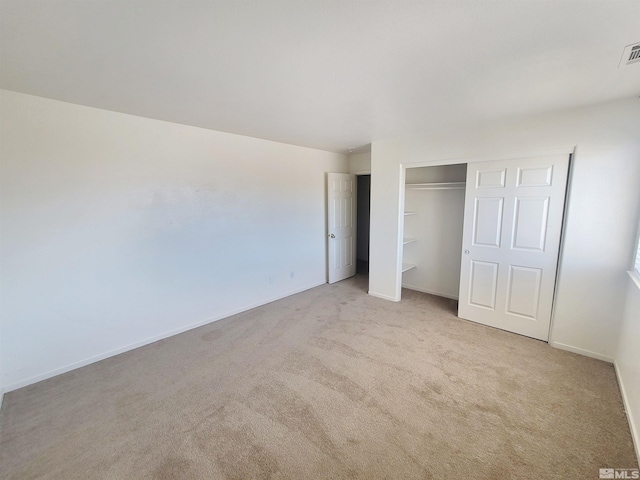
434 213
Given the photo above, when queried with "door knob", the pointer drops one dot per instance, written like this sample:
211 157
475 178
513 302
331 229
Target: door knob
332 235
467 252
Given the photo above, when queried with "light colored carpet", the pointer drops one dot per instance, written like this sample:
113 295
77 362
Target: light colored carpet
329 383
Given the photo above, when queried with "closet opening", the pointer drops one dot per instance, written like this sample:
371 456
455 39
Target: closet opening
363 218
433 223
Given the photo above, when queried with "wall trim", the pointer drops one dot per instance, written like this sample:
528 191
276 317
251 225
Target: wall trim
147 341
580 351
383 296
635 434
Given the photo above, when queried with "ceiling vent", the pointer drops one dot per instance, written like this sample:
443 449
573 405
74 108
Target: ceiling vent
630 55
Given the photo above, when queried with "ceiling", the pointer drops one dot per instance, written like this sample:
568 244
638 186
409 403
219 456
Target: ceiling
332 75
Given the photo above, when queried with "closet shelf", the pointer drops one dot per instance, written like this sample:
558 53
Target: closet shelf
406 240
407 266
436 185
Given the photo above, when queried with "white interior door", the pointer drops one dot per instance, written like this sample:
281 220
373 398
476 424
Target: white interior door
341 195
510 242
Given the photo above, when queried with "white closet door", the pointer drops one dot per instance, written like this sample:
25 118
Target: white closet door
510 242
341 195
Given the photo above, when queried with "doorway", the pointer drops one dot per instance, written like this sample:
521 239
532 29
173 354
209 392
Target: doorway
363 219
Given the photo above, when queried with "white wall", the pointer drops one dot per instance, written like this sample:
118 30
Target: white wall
627 359
118 230
360 163
600 227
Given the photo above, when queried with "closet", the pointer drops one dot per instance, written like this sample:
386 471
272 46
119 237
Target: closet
492 240
433 222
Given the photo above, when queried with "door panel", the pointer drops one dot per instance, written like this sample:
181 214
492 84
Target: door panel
523 295
484 280
487 224
530 223
535 177
511 239
341 195
490 178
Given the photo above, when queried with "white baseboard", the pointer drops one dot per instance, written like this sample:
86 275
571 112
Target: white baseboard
431 292
581 351
635 434
382 296
155 338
